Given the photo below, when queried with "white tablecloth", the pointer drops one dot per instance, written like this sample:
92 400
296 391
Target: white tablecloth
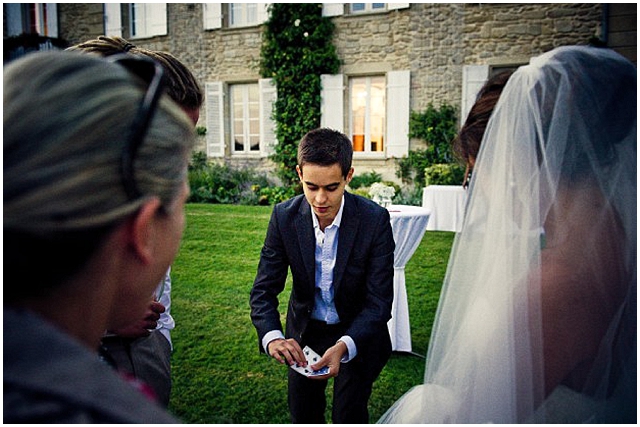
409 224
446 203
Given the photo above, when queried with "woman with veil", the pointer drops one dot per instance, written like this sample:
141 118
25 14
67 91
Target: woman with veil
537 316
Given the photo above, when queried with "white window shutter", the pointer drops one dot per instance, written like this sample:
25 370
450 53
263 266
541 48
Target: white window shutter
212 15
395 6
332 9
215 118
52 20
398 89
473 77
112 19
268 96
263 12
332 103
156 14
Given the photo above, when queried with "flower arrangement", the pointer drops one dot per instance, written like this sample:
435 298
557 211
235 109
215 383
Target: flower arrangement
381 193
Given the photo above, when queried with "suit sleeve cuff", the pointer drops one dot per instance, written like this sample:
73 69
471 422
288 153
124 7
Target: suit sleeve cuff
351 348
270 336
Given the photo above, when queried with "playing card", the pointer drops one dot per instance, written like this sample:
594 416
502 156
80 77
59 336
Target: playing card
312 357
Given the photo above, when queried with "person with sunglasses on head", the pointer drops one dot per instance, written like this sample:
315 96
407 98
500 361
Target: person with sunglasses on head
143 348
95 181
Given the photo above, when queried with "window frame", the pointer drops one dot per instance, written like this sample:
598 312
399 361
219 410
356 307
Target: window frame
247 118
147 20
368 125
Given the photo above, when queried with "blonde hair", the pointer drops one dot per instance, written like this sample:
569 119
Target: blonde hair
66 119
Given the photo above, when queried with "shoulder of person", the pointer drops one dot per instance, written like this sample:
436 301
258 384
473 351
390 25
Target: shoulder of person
291 206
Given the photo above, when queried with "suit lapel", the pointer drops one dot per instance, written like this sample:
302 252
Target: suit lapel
346 239
305 234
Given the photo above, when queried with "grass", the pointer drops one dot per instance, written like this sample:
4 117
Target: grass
219 376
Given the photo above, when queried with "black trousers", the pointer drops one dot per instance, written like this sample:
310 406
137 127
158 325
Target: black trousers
351 388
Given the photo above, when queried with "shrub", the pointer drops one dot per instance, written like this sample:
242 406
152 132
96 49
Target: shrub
213 183
198 160
444 174
365 180
274 195
436 127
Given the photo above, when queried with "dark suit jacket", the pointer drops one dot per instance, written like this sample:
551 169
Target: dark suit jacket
363 275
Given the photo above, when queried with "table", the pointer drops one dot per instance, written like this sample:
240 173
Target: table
409 224
447 204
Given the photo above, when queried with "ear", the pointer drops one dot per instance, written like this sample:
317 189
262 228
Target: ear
349 176
299 170
142 236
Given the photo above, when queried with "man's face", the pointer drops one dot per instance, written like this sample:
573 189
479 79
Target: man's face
323 188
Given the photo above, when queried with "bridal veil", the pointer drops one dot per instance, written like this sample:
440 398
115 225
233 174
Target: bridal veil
537 317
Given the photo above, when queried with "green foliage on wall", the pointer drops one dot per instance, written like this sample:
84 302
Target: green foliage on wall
297 48
437 127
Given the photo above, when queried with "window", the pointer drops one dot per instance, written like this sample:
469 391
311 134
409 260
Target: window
367 113
243 14
32 18
367 7
337 9
240 113
147 20
377 117
233 15
245 118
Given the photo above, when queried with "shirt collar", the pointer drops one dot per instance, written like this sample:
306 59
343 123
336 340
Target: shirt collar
336 221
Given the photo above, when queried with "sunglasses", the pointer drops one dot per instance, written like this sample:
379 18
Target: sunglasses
152 74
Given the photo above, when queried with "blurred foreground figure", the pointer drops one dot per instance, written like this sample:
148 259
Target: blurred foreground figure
537 317
143 348
95 167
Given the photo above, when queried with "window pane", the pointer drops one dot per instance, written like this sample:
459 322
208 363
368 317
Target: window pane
254 127
252 13
357 7
239 143
368 113
358 98
377 5
236 13
245 105
255 143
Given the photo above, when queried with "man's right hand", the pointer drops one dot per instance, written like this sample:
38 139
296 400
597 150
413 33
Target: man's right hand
287 351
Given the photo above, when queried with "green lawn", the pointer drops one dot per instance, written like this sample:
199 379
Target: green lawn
218 374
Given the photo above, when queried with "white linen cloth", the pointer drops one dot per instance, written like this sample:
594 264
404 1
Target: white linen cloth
446 203
408 224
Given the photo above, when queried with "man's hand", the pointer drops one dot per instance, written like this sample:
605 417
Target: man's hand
142 327
331 358
287 351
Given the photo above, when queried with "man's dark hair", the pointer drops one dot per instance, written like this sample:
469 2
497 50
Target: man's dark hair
326 147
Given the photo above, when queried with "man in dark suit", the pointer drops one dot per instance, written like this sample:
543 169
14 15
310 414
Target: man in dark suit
339 248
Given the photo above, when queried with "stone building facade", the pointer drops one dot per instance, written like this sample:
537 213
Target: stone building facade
413 54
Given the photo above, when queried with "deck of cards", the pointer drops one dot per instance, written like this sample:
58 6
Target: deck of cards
312 357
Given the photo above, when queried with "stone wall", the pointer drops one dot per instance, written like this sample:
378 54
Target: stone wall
433 40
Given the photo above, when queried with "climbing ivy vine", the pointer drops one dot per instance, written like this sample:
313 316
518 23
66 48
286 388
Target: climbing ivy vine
297 48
